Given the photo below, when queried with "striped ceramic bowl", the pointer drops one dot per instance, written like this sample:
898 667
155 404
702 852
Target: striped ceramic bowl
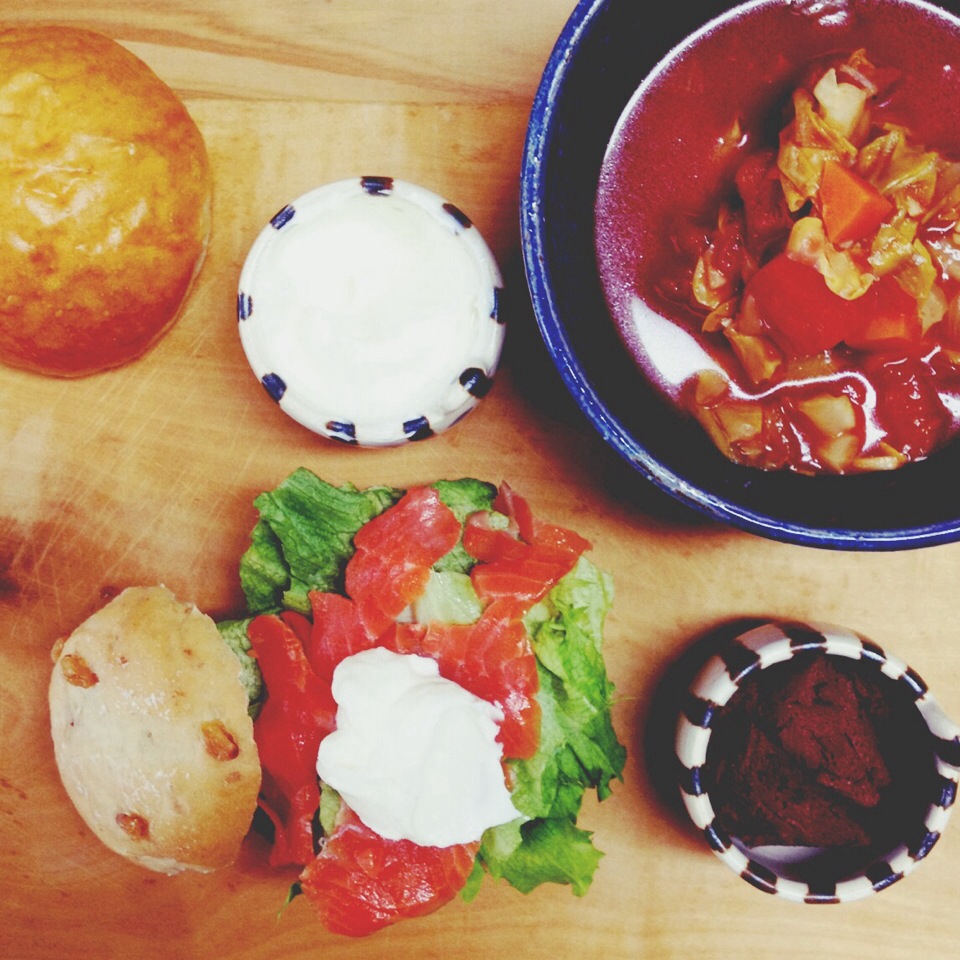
811 874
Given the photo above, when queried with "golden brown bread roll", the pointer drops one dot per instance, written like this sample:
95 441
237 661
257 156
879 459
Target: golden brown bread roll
104 200
151 733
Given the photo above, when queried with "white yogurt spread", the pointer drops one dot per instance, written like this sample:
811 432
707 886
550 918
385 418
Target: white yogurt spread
414 754
369 307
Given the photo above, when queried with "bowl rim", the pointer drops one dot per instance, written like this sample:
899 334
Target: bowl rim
533 173
720 677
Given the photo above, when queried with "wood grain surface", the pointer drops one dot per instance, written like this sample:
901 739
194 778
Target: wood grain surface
147 474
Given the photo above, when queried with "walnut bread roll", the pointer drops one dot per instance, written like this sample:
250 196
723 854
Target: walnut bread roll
151 733
104 198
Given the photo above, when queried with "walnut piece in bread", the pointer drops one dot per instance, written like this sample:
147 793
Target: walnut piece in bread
151 733
104 197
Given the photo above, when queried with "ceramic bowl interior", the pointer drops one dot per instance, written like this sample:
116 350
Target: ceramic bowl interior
926 788
606 51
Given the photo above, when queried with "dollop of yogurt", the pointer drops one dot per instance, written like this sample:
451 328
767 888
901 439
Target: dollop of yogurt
414 754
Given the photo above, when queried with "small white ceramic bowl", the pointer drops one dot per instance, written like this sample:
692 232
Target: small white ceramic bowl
369 311
809 874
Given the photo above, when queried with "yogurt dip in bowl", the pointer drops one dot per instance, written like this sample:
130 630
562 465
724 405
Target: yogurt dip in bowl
369 310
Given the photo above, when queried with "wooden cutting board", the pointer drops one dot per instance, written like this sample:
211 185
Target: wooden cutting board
147 474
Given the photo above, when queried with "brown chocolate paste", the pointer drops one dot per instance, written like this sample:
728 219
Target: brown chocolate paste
821 752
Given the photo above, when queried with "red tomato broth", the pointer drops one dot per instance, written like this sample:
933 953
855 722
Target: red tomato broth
655 209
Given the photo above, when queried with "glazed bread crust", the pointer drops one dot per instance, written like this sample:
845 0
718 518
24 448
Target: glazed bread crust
104 197
151 733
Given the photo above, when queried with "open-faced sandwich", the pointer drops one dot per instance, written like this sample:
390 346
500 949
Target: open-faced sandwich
430 701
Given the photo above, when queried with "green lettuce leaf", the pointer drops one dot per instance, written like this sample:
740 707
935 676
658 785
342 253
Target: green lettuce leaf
578 750
542 851
463 497
329 808
234 634
304 538
449 597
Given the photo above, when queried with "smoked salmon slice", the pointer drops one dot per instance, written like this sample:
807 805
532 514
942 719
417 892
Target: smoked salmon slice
532 529
337 633
394 554
515 569
297 714
360 882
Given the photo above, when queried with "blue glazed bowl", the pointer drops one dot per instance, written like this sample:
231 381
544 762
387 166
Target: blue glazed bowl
605 52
